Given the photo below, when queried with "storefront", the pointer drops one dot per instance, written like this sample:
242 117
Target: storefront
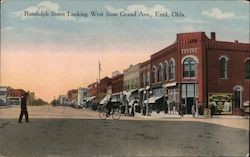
172 95
188 96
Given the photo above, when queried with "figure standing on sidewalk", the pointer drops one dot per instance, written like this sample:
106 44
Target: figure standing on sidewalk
181 108
24 109
193 110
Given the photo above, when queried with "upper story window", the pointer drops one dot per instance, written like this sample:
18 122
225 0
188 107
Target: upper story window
160 73
166 70
144 79
172 69
189 65
154 73
223 67
247 69
148 79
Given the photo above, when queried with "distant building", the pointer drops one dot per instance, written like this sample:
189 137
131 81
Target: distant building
3 94
92 88
62 99
82 94
131 77
103 85
72 95
117 83
14 96
31 98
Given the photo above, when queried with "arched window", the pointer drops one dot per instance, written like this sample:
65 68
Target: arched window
247 69
223 67
144 79
172 70
160 73
154 73
148 79
166 70
189 69
238 96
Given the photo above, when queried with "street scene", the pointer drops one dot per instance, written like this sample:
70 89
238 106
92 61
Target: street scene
123 78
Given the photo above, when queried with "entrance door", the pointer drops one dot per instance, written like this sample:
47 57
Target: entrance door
190 103
188 95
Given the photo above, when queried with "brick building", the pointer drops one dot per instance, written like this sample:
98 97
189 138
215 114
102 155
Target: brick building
16 92
72 95
92 88
198 69
104 84
117 83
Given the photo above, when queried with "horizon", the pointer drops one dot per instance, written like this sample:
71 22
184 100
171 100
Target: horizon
53 54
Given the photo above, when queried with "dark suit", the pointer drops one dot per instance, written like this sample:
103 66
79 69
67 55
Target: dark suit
23 110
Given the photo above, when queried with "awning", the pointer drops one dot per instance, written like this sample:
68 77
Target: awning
114 94
105 99
141 89
152 100
132 91
90 98
170 84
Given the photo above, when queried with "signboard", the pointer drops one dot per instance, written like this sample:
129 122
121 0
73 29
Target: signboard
222 102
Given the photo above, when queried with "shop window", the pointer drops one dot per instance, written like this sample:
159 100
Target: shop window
247 69
223 67
189 67
172 70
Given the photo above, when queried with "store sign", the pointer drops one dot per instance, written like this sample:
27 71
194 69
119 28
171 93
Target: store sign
222 102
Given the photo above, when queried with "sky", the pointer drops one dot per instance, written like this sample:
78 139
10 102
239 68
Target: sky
50 55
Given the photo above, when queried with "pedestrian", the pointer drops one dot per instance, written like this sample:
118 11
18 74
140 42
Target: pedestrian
109 106
181 109
24 109
193 110
132 113
144 110
212 110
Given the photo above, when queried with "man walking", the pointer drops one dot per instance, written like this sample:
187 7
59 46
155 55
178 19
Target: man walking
23 109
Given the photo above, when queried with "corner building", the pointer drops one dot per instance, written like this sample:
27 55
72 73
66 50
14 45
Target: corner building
197 69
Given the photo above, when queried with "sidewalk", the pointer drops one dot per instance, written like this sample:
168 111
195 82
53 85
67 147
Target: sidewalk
186 116
225 120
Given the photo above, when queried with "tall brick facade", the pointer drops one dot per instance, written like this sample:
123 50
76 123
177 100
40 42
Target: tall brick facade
195 66
104 84
117 83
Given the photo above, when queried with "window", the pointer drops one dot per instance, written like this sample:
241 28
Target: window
154 73
172 70
160 73
248 69
189 69
237 96
144 79
148 79
166 70
223 67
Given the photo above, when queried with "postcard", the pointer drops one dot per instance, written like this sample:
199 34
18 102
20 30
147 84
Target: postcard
124 78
